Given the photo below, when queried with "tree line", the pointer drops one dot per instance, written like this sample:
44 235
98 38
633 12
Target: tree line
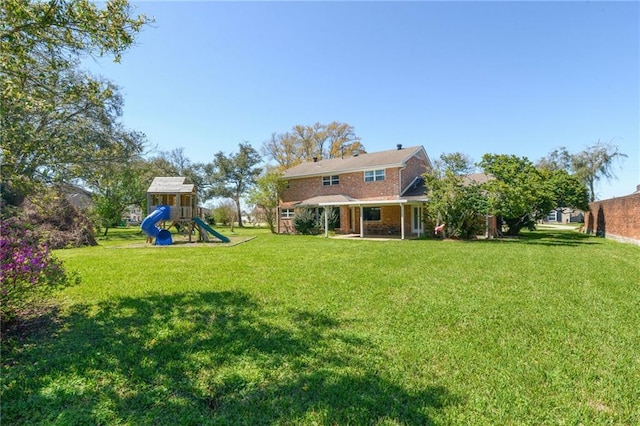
60 124
514 189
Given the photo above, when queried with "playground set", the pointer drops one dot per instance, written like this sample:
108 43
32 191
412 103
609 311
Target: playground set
172 202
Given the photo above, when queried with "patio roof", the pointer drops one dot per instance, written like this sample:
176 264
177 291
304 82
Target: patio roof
345 200
326 200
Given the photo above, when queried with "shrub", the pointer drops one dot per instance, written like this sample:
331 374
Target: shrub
334 217
28 271
305 221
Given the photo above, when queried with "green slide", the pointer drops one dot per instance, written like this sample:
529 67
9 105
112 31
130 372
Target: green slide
203 225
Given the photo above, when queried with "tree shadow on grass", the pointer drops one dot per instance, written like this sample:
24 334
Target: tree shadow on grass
544 237
558 238
204 358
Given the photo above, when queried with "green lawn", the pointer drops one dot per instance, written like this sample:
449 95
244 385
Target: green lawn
544 329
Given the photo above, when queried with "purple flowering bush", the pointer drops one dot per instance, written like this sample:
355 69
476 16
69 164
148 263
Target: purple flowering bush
28 271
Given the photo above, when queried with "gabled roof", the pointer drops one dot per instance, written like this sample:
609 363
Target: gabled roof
374 160
170 185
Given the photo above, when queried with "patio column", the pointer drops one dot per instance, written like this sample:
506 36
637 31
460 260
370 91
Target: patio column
402 221
361 221
326 221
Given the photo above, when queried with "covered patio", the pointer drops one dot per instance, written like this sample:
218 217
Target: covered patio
396 218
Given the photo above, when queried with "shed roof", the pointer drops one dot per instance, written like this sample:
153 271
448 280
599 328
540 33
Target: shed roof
170 185
381 159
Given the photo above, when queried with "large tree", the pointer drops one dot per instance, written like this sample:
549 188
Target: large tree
117 185
51 111
517 191
454 200
590 165
266 195
306 142
231 176
113 192
596 162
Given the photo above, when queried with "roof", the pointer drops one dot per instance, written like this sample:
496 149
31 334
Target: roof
337 199
417 188
381 159
345 200
170 185
477 178
79 197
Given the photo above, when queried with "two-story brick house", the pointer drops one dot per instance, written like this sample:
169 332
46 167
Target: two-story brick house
380 193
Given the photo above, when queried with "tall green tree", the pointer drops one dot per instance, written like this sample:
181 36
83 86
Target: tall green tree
567 189
115 191
306 142
596 162
231 176
50 109
458 163
266 195
590 165
454 200
518 191
117 185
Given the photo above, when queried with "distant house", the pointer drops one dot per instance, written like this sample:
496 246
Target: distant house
77 196
132 215
565 215
380 193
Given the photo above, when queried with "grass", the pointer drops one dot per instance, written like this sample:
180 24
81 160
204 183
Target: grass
308 330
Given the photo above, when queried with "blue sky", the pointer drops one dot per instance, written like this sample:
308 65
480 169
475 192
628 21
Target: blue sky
518 78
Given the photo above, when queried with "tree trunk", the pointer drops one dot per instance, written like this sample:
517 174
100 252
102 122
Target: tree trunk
239 213
592 194
515 225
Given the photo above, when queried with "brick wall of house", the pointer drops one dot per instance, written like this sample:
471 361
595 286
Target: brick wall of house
351 184
416 166
616 218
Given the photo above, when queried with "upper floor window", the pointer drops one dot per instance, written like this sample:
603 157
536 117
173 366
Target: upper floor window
330 180
373 175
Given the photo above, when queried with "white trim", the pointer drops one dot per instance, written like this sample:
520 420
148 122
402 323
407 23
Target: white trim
419 230
402 221
326 222
365 203
344 171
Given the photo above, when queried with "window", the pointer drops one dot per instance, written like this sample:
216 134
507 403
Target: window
371 213
330 180
373 175
286 213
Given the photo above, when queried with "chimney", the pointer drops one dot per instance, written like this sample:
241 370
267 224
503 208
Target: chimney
399 146
315 159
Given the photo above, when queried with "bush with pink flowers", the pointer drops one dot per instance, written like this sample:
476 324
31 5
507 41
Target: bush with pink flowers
28 271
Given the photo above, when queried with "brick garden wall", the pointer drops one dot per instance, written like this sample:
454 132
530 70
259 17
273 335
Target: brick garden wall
616 218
